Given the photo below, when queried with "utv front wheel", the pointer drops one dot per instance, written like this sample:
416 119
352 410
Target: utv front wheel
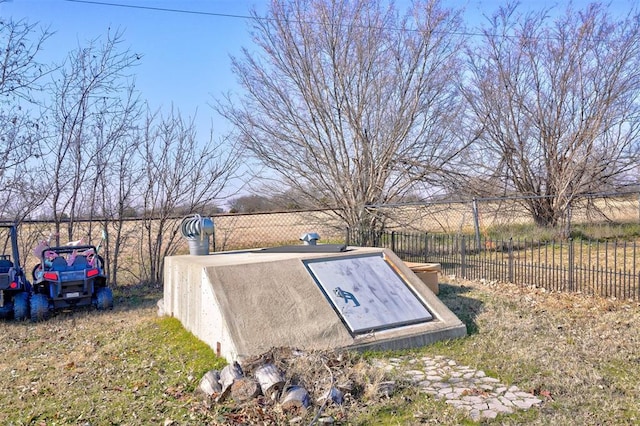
21 306
104 298
39 307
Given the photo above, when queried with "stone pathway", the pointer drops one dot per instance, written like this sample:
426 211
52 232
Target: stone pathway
463 387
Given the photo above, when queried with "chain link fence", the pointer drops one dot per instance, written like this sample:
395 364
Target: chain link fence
597 214
483 221
129 245
254 230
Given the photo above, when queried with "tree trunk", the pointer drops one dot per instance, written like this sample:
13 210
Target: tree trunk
296 398
244 389
271 380
228 375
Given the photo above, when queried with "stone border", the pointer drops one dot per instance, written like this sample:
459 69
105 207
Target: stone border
463 387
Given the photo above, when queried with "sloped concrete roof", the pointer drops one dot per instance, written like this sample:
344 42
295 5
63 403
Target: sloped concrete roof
246 302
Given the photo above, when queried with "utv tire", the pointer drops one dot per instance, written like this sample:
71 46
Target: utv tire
39 307
104 299
21 306
34 272
6 310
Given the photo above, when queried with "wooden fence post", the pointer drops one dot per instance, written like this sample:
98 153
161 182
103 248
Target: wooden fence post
476 221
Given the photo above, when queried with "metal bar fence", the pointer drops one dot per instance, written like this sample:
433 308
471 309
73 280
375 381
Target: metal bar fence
606 269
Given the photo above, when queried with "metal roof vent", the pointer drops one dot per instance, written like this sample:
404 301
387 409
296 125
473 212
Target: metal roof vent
310 238
197 229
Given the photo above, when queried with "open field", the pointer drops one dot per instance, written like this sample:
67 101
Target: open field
127 366
500 218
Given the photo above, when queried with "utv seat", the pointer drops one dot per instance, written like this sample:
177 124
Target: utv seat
5 265
80 263
59 264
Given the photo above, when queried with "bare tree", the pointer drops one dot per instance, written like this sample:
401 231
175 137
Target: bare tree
118 188
21 76
21 73
21 180
180 172
343 97
116 170
252 204
93 90
557 101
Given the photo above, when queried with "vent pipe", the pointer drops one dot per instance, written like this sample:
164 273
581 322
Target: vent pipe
197 229
310 238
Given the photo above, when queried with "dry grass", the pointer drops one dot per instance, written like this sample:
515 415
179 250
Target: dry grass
126 366
262 230
500 216
579 353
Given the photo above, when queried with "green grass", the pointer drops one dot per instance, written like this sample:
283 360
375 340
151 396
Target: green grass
522 232
127 366
121 373
605 231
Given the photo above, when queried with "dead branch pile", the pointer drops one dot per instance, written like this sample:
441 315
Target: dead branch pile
286 383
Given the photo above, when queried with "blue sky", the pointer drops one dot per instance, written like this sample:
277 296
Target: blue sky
185 55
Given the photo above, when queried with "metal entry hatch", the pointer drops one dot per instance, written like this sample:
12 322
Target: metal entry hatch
367 293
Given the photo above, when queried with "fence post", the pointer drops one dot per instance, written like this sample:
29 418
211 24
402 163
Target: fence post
463 258
510 258
393 241
568 230
476 221
426 247
571 265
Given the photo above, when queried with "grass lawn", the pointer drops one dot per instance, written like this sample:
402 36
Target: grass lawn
581 355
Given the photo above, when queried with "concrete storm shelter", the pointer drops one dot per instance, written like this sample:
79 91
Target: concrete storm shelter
244 303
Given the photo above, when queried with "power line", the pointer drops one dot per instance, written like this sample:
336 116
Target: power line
236 16
162 9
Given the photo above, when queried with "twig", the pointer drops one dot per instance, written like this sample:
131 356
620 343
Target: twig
326 400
